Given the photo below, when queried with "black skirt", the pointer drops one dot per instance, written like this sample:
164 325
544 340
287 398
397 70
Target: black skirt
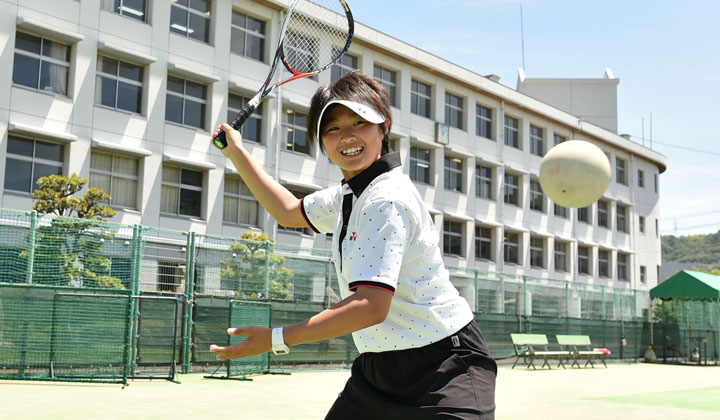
451 379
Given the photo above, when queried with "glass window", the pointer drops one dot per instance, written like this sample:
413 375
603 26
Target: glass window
483 243
452 238
483 182
622 266
483 121
561 256
620 176
641 224
239 205
116 175
621 219
537 198
247 36
604 263
537 140
186 102
603 209
583 260
119 84
296 125
191 18
512 132
643 274
453 174
641 178
512 189
343 67
41 64
453 110
511 247
557 139
537 252
560 211
583 214
388 79
420 165
420 96
27 160
134 9
181 192
251 130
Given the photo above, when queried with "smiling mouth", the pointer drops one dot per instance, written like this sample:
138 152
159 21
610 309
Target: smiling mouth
352 151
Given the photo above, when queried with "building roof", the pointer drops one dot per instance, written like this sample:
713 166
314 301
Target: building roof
688 284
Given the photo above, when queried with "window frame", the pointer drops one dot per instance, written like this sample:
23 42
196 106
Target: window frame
584 258
514 187
41 58
484 183
453 177
537 140
256 116
33 160
248 35
115 174
180 187
189 10
604 257
390 83
294 128
453 240
621 171
185 97
454 110
536 196
560 255
240 197
417 162
417 97
622 266
509 245
341 68
99 74
483 243
621 218
537 252
118 7
512 133
603 214
483 122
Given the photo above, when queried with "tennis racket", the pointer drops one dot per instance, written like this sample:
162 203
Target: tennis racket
314 35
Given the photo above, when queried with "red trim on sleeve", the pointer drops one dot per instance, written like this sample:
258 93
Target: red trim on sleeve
307 219
373 284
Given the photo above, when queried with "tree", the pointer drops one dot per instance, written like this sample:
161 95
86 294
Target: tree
55 196
244 270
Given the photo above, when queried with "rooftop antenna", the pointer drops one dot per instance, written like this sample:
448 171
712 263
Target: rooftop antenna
522 35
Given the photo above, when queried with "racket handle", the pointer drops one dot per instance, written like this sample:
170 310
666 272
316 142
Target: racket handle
220 141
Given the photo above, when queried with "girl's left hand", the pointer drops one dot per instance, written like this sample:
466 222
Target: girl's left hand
258 340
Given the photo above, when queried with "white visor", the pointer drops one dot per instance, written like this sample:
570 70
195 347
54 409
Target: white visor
367 112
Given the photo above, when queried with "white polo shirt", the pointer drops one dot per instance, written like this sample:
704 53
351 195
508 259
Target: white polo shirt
390 243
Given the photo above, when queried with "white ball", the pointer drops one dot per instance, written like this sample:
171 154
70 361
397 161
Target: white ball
575 173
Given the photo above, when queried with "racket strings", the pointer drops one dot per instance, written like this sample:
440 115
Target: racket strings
317 32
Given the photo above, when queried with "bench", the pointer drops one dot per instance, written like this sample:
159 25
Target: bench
535 346
579 348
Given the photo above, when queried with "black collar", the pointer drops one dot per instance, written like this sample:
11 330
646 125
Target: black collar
359 182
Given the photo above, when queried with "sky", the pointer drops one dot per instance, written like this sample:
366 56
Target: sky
666 55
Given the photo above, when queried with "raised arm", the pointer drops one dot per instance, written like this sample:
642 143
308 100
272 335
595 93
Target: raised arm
282 205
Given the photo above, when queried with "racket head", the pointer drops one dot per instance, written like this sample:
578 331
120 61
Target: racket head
315 35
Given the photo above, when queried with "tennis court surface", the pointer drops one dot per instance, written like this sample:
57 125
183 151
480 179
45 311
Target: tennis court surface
622 391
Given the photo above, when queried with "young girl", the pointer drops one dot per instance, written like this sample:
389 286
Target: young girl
421 354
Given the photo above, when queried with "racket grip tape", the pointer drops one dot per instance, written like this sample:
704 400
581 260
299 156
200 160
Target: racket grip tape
221 141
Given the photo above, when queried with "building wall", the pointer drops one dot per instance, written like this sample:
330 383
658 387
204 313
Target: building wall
82 125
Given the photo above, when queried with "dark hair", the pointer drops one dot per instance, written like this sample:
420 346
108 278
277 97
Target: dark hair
356 87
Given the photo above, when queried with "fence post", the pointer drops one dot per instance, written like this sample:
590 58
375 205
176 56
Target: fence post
525 299
189 295
267 269
477 293
604 304
31 247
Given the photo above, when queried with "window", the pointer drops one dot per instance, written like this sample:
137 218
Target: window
119 84
483 121
537 198
583 260
603 263
343 67
620 177
181 192
388 79
511 247
41 64
655 182
603 209
252 129
191 18
452 238
303 230
557 139
560 211
537 140
512 132
420 98
453 174
512 189
303 48
641 224
420 165
186 102
117 175
483 243
641 178
622 218
27 160
583 215
247 37
657 229
296 125
134 9
622 266
643 274
170 275
561 256
537 252
239 205
483 182
453 110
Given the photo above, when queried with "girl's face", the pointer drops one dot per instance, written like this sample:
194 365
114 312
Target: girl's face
350 142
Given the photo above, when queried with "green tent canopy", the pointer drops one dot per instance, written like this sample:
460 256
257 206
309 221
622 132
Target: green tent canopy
688 284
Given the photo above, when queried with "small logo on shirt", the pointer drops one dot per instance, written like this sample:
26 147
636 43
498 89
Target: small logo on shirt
353 236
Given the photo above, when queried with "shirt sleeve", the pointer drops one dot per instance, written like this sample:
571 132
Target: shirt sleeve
320 209
372 256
